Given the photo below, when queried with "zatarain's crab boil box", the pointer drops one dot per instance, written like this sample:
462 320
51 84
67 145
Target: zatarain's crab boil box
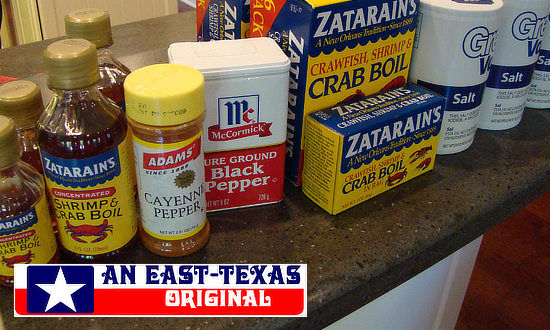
222 19
339 50
361 148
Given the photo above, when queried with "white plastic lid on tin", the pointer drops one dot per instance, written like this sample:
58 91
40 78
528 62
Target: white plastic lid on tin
230 58
461 10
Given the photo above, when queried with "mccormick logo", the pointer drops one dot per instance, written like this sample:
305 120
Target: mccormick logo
167 290
238 117
479 42
528 27
172 159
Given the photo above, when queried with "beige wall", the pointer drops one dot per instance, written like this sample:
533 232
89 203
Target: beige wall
52 12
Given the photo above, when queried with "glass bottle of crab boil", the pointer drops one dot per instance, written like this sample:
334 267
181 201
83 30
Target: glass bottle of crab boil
21 101
94 25
85 149
26 233
165 109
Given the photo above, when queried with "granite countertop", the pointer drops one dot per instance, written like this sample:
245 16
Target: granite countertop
357 255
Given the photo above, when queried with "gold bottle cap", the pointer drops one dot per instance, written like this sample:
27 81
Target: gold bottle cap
164 94
9 146
71 63
91 24
21 100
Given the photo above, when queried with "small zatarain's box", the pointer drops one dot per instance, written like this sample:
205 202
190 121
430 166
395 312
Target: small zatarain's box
222 19
361 148
338 50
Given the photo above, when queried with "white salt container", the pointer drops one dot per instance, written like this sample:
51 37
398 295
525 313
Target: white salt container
246 94
454 45
517 48
538 95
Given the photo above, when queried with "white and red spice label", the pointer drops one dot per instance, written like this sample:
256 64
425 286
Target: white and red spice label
171 187
238 178
244 149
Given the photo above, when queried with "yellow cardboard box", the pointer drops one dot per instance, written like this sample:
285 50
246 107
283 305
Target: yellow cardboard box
361 148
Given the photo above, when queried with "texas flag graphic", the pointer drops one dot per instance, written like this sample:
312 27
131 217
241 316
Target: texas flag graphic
60 289
160 290
57 290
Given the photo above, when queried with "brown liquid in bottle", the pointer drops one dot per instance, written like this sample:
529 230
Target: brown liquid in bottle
94 25
98 129
21 194
29 149
112 82
20 201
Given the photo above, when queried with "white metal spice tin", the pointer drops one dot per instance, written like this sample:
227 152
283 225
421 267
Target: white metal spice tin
539 92
454 62
246 94
517 48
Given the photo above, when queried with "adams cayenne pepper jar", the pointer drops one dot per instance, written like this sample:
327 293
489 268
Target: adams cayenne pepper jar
165 109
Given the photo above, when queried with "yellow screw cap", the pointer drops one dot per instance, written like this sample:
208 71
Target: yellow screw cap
9 146
21 100
164 94
91 24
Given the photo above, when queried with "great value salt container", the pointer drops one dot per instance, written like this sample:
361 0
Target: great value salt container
246 95
516 51
455 62
539 92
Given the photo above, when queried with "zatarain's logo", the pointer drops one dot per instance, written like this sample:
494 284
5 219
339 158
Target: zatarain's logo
83 172
337 22
528 27
479 42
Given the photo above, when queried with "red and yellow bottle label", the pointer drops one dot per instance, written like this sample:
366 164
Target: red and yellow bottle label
171 187
93 199
27 238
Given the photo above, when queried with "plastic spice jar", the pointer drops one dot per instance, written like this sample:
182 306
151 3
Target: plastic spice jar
165 109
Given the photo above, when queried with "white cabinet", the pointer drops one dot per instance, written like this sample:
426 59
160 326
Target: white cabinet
430 300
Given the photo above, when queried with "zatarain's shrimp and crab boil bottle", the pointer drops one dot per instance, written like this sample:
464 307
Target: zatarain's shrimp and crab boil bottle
84 145
26 233
21 101
94 25
165 109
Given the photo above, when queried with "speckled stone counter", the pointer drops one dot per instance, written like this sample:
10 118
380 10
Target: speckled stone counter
356 256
